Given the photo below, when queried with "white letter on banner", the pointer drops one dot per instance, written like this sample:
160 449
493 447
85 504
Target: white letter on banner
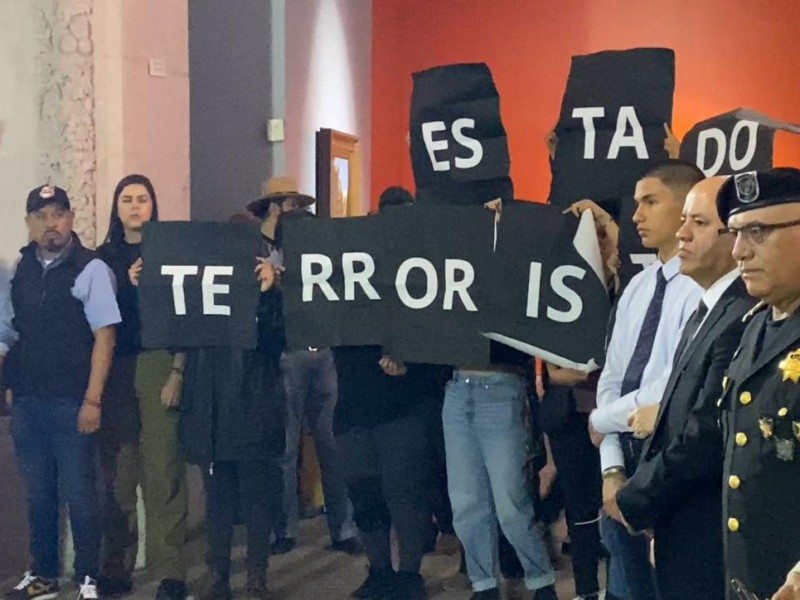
575 302
353 277
460 287
432 284
627 116
467 142
534 286
588 114
702 140
321 279
739 164
433 146
211 289
178 273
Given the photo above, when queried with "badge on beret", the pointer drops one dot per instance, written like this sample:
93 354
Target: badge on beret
766 427
747 190
47 191
790 366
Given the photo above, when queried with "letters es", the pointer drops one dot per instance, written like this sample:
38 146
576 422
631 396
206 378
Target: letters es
441 143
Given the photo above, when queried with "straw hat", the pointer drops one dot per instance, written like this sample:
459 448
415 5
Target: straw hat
278 189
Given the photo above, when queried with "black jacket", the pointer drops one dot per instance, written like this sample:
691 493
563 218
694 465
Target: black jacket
761 481
233 406
676 487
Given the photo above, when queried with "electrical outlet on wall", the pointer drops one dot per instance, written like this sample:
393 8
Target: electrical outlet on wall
275 130
156 67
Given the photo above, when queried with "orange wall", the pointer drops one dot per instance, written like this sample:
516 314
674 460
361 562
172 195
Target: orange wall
728 54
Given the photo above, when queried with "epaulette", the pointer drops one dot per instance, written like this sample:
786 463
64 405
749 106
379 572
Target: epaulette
752 312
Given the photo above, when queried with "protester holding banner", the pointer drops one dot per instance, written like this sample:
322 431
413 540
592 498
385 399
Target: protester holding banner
381 422
232 425
65 311
650 317
676 491
761 390
138 440
309 376
569 398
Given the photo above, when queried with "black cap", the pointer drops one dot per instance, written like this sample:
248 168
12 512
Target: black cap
395 196
43 195
752 190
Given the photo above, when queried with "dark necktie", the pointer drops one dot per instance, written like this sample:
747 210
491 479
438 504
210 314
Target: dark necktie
690 330
647 335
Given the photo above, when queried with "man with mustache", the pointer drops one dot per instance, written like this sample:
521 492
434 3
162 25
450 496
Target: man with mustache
65 310
761 392
675 491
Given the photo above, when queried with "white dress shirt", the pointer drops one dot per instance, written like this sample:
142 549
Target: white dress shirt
681 298
714 293
7 333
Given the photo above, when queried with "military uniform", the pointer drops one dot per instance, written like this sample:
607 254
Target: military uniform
761 412
761 419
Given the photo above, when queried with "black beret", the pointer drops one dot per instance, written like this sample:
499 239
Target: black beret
752 190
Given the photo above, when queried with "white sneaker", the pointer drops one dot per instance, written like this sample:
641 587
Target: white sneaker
88 589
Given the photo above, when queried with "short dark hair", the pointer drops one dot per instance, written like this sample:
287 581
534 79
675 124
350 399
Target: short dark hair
680 176
395 196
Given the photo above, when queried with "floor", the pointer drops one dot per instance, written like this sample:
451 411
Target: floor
311 572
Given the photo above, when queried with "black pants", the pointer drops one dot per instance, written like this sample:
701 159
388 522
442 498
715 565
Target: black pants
252 487
578 464
440 498
388 473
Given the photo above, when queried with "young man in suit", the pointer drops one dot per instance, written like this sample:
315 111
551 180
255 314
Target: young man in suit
675 491
761 398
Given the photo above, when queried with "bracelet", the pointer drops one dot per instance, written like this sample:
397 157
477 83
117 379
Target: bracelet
93 403
611 471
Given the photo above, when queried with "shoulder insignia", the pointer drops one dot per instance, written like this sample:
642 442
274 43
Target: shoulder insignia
752 312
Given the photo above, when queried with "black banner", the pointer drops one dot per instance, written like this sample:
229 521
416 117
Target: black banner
733 142
430 284
197 285
611 126
459 149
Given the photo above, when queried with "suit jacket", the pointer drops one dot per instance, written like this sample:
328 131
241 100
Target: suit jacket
676 487
761 482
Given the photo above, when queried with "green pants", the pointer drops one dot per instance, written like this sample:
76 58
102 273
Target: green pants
139 445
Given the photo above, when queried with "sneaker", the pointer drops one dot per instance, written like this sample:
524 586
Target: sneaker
491 594
546 593
408 586
33 587
112 587
283 545
377 585
171 589
351 546
88 589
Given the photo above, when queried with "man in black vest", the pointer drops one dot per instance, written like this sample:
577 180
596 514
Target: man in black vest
675 491
65 311
761 392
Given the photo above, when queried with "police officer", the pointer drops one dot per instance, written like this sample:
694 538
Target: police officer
761 392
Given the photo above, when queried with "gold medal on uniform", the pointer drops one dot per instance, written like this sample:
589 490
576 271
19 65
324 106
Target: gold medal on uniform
784 449
766 427
790 366
796 429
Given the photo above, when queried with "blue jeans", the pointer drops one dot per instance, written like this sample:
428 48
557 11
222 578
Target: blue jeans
486 444
311 391
630 575
57 461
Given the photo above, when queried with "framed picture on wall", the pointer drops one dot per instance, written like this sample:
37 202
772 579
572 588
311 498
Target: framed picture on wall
338 174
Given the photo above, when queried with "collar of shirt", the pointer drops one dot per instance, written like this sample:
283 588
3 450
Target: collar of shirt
670 268
714 293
